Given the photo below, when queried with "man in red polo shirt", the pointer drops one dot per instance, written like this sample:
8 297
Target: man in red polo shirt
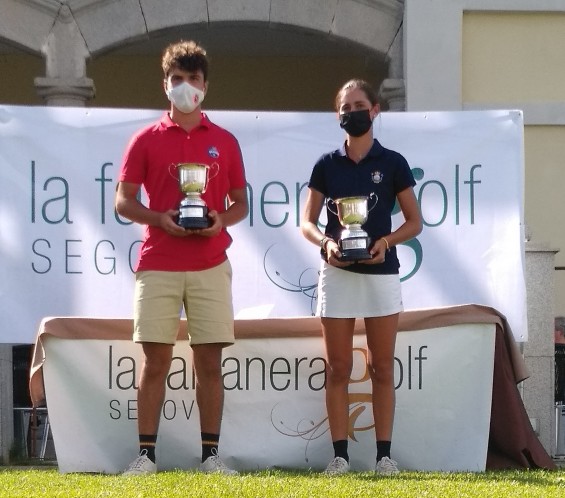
177 266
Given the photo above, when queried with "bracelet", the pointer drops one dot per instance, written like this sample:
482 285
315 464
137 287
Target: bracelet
386 242
323 242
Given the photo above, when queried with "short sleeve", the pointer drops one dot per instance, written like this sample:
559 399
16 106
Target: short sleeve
318 177
133 164
237 170
403 177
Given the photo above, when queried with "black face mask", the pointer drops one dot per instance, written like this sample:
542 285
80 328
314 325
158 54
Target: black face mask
356 123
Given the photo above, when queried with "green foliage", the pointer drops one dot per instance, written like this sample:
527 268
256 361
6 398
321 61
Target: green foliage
276 484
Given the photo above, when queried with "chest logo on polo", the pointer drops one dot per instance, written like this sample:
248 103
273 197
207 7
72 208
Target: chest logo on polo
213 152
377 177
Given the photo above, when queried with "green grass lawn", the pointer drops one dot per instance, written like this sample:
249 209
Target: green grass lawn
49 482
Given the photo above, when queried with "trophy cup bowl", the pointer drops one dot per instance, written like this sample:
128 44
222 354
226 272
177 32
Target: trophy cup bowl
193 180
352 213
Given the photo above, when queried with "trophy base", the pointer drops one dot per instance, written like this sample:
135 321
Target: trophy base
193 223
193 216
354 248
354 255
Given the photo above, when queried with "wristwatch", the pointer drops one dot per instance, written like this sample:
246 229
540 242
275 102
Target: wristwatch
323 242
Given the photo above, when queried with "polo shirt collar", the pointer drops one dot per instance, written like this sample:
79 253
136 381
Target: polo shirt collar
166 122
374 151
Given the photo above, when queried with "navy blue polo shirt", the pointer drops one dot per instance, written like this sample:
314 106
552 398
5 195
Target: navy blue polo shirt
384 172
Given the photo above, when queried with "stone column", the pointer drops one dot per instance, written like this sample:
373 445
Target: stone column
392 89
6 403
539 351
65 51
392 92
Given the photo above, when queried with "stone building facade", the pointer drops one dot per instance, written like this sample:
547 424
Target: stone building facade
421 55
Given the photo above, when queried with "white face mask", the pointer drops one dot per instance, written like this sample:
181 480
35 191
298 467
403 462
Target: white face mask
185 97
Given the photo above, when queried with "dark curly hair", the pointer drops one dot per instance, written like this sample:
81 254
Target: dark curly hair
185 55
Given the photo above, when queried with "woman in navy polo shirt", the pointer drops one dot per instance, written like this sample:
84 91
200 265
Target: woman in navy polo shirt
368 288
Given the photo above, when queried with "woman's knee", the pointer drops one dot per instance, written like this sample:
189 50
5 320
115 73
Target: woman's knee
381 372
339 371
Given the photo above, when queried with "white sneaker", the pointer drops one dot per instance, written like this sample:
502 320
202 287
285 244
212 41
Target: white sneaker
214 464
337 466
386 467
142 465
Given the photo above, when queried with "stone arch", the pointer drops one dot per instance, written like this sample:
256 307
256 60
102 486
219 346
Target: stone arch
71 32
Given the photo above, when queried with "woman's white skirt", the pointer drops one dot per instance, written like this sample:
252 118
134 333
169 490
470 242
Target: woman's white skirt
344 294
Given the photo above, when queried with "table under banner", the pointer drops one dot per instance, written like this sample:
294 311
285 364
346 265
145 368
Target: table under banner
456 373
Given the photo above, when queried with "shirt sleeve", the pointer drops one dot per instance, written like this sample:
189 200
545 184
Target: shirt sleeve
318 177
237 170
133 166
403 177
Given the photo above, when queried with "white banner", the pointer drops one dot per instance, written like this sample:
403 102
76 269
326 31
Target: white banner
66 253
274 408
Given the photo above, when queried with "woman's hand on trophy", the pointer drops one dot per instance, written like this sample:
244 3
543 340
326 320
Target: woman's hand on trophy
378 252
333 254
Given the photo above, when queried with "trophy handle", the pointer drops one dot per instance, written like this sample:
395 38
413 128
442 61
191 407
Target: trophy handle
328 200
375 203
174 166
214 170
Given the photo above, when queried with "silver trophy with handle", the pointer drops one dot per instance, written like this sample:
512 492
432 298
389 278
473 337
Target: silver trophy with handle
193 180
352 212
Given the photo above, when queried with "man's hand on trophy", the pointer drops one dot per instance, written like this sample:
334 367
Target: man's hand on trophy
215 228
168 222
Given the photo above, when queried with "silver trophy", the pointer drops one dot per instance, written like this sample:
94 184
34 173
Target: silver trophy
352 213
193 180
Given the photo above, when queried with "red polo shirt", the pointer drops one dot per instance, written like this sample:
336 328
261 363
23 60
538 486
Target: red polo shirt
149 161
